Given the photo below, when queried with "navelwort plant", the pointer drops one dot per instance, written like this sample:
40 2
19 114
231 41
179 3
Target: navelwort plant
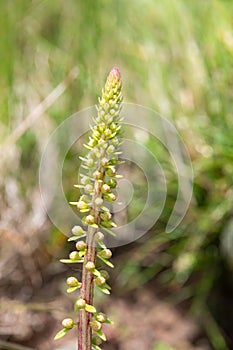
97 185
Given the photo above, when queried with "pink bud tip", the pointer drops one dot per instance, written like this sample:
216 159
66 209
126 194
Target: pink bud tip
115 73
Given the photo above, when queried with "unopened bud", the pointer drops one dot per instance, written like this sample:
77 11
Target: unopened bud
97 175
77 230
80 303
74 255
99 236
68 323
101 317
82 205
104 161
106 216
106 253
85 180
90 219
96 340
105 274
95 325
111 149
90 266
88 188
81 245
110 197
98 201
108 132
112 183
99 281
72 282
95 134
106 188
111 171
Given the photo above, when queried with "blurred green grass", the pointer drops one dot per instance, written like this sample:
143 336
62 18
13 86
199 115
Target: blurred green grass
176 56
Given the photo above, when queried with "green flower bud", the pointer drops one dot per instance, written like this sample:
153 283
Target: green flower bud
90 266
96 134
111 172
82 205
80 303
112 183
74 255
101 317
81 245
88 188
96 340
115 141
106 188
89 162
97 175
104 161
101 142
113 126
106 216
98 201
91 142
90 219
101 127
95 325
106 253
108 118
68 323
110 197
72 282
105 274
85 180
100 280
99 236
77 231
111 149
108 132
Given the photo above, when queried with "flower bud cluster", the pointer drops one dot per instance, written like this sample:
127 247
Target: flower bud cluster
97 184
99 181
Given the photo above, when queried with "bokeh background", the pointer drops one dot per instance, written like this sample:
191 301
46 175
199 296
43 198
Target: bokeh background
170 291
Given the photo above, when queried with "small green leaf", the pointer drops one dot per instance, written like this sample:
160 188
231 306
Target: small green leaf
101 335
108 321
96 347
107 286
109 231
74 238
113 224
68 261
102 245
90 308
84 210
94 225
72 289
104 290
96 273
104 208
86 146
82 252
61 333
107 262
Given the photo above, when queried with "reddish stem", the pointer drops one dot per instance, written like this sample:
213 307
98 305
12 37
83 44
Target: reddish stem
86 293
84 329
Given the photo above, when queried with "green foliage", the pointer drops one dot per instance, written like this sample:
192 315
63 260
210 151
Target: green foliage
162 346
176 57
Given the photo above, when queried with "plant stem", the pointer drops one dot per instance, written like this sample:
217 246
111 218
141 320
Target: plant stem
86 293
84 329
